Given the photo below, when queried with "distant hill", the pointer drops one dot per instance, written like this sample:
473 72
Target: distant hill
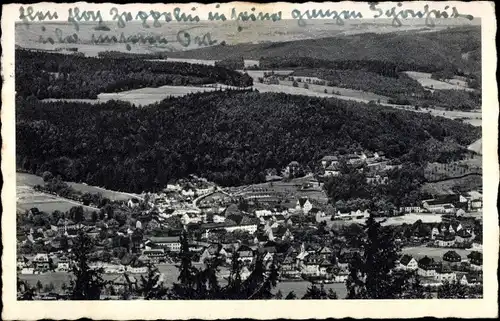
231 138
458 48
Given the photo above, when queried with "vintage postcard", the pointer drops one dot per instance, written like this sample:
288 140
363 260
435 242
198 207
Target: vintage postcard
244 160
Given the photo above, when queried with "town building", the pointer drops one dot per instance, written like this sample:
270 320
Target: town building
408 263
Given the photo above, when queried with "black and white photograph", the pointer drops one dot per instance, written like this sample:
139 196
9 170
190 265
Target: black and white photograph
330 155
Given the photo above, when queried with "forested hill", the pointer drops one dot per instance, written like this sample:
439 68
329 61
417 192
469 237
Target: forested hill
458 48
54 75
228 137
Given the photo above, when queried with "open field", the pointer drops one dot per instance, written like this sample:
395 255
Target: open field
344 92
436 253
28 198
411 218
30 180
426 81
446 187
147 96
477 146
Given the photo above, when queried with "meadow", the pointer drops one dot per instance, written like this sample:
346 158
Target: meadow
426 81
150 95
27 181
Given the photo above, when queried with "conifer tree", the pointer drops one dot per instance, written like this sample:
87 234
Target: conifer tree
371 273
88 282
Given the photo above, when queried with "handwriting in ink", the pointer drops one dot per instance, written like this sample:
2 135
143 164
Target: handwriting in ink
184 39
429 15
155 15
75 16
260 16
59 37
339 17
29 15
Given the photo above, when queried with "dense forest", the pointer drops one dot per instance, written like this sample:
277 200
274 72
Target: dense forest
233 141
456 48
384 68
51 75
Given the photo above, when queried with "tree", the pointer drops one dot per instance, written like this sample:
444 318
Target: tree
295 84
185 288
233 288
306 86
39 286
371 272
47 176
315 293
88 283
453 290
291 296
76 213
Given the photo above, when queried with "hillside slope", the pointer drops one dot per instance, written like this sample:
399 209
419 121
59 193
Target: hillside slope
228 137
439 49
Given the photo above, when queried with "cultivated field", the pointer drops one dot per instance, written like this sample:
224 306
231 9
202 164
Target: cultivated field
439 171
149 95
446 187
30 180
426 81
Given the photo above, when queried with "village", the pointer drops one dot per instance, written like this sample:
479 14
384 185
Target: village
286 220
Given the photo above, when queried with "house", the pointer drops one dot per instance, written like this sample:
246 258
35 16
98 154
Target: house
241 223
452 257
445 274
292 170
325 267
289 268
192 218
476 260
303 204
310 266
332 170
212 251
245 254
133 203
470 279
410 209
327 161
41 262
263 213
171 243
438 206
63 264
216 218
154 255
477 243
189 193
444 240
463 236
325 253
408 262
427 267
